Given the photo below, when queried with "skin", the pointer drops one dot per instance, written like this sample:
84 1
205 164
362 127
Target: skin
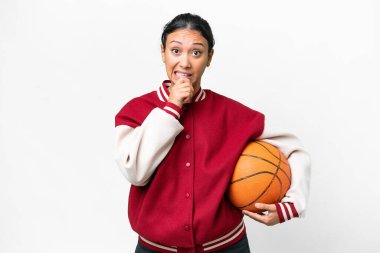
269 219
186 51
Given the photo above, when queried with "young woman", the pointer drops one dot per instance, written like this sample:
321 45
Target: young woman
178 147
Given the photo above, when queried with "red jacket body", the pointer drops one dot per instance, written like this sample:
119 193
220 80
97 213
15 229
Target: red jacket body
184 204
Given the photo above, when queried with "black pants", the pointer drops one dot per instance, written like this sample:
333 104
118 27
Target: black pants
239 247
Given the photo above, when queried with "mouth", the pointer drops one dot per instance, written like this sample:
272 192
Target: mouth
180 74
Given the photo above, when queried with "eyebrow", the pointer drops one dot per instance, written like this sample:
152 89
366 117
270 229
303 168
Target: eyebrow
195 43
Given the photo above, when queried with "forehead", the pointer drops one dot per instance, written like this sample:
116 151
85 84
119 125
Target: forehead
186 37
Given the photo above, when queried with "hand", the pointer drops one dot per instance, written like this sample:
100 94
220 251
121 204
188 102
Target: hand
181 92
270 219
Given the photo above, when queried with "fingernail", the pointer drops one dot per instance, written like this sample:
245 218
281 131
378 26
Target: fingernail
257 205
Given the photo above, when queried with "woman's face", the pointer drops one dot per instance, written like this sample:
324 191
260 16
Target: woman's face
186 55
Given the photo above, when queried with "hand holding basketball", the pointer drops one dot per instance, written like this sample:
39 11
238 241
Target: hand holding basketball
181 92
269 219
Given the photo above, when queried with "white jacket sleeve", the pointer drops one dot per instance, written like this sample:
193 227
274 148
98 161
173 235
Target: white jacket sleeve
299 161
140 150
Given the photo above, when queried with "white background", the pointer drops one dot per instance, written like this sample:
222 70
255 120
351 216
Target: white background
67 67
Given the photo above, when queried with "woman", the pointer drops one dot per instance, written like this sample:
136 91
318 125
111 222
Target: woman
178 146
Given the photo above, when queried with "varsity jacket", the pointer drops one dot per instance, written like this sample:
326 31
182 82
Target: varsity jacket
180 161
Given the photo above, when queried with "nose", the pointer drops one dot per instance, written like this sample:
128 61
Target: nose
184 61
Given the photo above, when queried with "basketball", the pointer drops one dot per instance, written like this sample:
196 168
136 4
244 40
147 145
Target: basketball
262 175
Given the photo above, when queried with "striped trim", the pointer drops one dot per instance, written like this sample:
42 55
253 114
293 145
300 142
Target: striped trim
286 211
199 95
294 211
283 212
172 111
172 249
279 212
163 92
204 95
226 238
237 231
288 217
159 94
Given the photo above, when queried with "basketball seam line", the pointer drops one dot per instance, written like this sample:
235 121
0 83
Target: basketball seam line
274 176
253 156
261 144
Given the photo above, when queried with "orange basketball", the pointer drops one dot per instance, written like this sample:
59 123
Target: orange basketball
262 175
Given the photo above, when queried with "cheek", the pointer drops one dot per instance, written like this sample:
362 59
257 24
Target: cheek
169 62
200 68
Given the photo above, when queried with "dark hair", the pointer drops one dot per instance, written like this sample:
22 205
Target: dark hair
190 21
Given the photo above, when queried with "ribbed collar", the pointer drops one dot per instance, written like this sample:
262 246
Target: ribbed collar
163 92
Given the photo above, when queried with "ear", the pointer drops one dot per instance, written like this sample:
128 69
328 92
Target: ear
162 53
210 57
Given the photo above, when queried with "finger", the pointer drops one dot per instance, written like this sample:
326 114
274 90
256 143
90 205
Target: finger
181 80
175 84
186 89
189 96
182 95
266 207
257 217
185 86
269 220
186 83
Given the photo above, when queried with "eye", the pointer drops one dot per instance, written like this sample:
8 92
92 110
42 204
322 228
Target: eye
175 51
197 53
